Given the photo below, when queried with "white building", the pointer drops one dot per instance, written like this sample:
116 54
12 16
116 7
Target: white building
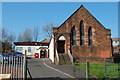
116 45
115 42
51 49
32 48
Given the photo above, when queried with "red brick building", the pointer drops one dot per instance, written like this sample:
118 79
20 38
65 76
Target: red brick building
83 35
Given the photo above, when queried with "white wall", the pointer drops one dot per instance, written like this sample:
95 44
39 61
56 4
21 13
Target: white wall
34 49
51 49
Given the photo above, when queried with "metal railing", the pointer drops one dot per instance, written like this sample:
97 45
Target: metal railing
16 66
12 65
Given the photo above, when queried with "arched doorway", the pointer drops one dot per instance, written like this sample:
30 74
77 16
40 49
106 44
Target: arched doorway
43 53
61 44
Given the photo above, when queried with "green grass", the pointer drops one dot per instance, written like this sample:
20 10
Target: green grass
98 69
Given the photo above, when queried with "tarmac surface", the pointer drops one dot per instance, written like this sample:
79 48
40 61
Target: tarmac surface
44 69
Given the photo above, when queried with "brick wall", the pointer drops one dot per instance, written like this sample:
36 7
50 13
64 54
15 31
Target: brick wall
100 35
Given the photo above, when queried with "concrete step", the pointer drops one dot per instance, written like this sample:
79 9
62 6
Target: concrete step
61 60
67 59
64 59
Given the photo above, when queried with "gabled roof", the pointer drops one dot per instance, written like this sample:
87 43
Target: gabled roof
45 41
30 44
76 12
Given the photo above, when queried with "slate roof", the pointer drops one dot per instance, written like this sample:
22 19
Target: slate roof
30 44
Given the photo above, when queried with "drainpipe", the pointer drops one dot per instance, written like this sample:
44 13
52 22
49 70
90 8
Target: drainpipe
39 53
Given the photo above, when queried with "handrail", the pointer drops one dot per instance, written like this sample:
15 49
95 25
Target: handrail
70 56
57 57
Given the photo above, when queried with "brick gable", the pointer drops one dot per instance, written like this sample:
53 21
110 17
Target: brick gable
100 35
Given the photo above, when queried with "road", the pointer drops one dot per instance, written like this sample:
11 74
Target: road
41 71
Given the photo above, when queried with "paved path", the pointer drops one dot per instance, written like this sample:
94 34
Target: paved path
44 69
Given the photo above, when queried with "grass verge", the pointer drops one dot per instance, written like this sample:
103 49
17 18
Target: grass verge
101 70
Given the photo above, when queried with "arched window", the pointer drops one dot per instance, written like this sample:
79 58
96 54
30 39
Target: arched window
73 36
90 36
81 33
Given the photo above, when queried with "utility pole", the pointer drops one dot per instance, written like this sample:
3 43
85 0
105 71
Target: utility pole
25 66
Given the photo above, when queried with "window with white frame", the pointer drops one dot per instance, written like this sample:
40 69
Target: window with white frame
19 49
29 49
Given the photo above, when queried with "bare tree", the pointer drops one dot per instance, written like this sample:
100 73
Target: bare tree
48 30
0 33
5 45
7 39
0 39
4 34
36 33
20 39
26 36
11 39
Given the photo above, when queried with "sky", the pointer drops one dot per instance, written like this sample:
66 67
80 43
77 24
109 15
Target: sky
59 0
16 16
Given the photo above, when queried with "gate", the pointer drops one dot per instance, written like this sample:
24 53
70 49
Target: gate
112 70
91 67
15 66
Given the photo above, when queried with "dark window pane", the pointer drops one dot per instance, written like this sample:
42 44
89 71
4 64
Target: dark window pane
81 33
73 36
90 36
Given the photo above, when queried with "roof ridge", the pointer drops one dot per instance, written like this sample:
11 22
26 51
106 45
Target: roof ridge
70 16
76 11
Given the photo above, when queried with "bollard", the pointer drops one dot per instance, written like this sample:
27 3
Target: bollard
25 66
87 70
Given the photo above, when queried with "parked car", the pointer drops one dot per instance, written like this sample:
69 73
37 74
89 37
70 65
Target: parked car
16 57
7 57
1 57
13 57
16 54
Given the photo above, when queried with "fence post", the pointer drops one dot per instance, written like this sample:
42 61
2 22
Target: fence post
105 71
118 70
87 70
106 67
25 66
